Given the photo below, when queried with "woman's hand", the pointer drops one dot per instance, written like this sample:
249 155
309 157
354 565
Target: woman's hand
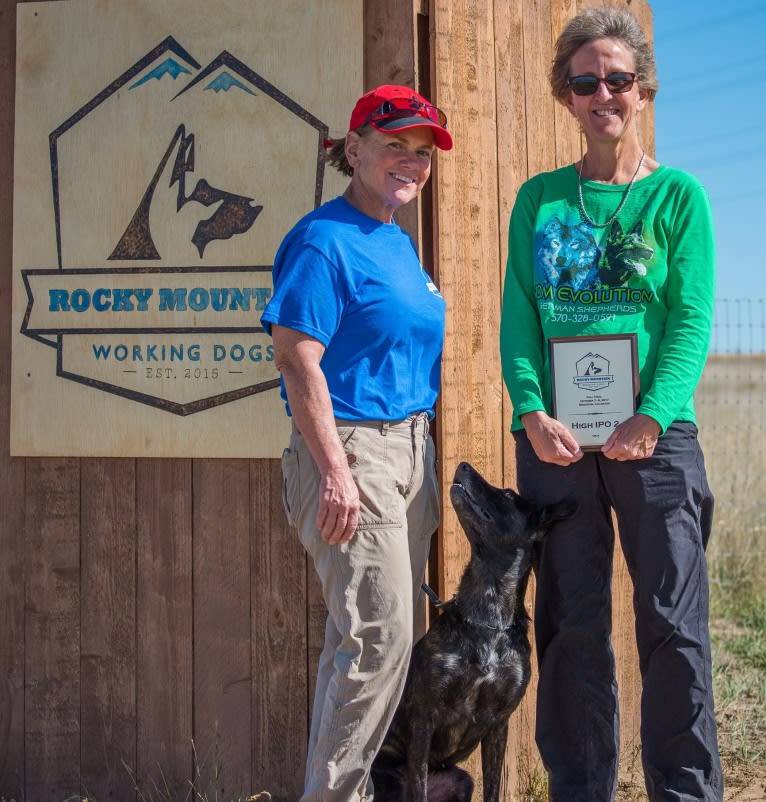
551 440
634 438
338 513
297 358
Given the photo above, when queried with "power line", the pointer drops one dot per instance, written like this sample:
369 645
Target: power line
694 78
684 97
729 135
716 200
709 160
702 25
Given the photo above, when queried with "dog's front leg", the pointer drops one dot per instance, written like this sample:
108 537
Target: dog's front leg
492 757
417 760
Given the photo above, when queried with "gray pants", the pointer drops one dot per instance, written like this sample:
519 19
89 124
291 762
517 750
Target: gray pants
664 512
369 586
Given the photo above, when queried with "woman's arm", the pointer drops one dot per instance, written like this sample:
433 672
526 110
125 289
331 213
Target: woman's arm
297 359
522 342
689 298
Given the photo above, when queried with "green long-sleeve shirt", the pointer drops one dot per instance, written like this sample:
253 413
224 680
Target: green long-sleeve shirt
652 272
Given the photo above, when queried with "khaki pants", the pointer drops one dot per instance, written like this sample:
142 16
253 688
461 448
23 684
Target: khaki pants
369 586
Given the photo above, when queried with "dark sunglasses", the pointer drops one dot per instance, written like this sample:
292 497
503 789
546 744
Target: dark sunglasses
404 107
616 82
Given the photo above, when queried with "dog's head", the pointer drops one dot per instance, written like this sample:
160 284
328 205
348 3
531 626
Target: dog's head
499 520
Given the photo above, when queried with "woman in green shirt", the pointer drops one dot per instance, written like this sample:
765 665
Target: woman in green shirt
616 244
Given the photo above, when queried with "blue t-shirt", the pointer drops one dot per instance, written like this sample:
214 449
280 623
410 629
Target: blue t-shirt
357 285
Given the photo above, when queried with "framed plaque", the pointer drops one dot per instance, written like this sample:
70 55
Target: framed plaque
595 384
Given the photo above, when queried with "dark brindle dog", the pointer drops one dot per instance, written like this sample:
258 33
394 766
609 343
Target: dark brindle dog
470 670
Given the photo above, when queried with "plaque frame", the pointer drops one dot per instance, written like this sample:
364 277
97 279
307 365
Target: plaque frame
586 399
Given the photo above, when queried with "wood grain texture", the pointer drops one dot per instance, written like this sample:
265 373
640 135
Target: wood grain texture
52 629
164 620
223 732
468 259
280 695
108 648
568 139
467 265
512 160
12 573
541 107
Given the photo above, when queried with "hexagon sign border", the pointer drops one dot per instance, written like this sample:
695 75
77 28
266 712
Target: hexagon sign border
232 215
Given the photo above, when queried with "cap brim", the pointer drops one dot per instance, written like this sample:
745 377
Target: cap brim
442 137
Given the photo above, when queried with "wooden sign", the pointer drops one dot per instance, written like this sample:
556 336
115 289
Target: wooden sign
163 148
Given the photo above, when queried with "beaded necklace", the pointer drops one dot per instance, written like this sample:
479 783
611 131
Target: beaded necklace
585 215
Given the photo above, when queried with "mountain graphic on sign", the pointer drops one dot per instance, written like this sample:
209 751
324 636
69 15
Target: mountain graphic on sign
230 67
168 67
226 81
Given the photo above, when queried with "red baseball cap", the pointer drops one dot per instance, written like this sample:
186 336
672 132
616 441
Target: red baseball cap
391 108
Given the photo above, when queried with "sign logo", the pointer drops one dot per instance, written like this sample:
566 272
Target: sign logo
592 372
171 190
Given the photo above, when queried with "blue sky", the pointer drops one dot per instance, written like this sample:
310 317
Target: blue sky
710 119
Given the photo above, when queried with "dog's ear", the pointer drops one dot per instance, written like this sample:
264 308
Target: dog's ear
555 512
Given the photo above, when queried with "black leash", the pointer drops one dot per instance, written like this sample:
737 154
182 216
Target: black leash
432 595
437 602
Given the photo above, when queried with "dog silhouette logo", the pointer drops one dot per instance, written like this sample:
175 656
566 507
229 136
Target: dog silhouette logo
592 372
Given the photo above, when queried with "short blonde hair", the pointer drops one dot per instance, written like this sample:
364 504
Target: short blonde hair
606 22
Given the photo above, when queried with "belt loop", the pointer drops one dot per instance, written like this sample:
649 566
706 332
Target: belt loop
419 424
384 428
420 420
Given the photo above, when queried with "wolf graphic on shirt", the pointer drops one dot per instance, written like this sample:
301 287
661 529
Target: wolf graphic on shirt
568 255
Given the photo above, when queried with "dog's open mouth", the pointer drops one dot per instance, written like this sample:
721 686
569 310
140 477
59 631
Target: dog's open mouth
459 487
461 491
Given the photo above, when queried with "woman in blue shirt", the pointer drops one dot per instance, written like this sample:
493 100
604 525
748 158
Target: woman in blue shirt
358 328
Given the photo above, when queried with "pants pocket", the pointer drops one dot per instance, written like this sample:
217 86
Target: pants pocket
367 452
291 486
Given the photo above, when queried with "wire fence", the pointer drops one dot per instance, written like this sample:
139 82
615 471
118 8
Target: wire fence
731 411
739 326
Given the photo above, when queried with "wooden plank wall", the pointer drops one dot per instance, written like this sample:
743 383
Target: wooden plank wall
490 74
12 472
131 621
142 643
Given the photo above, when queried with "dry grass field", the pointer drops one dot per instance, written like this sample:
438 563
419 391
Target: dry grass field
731 408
